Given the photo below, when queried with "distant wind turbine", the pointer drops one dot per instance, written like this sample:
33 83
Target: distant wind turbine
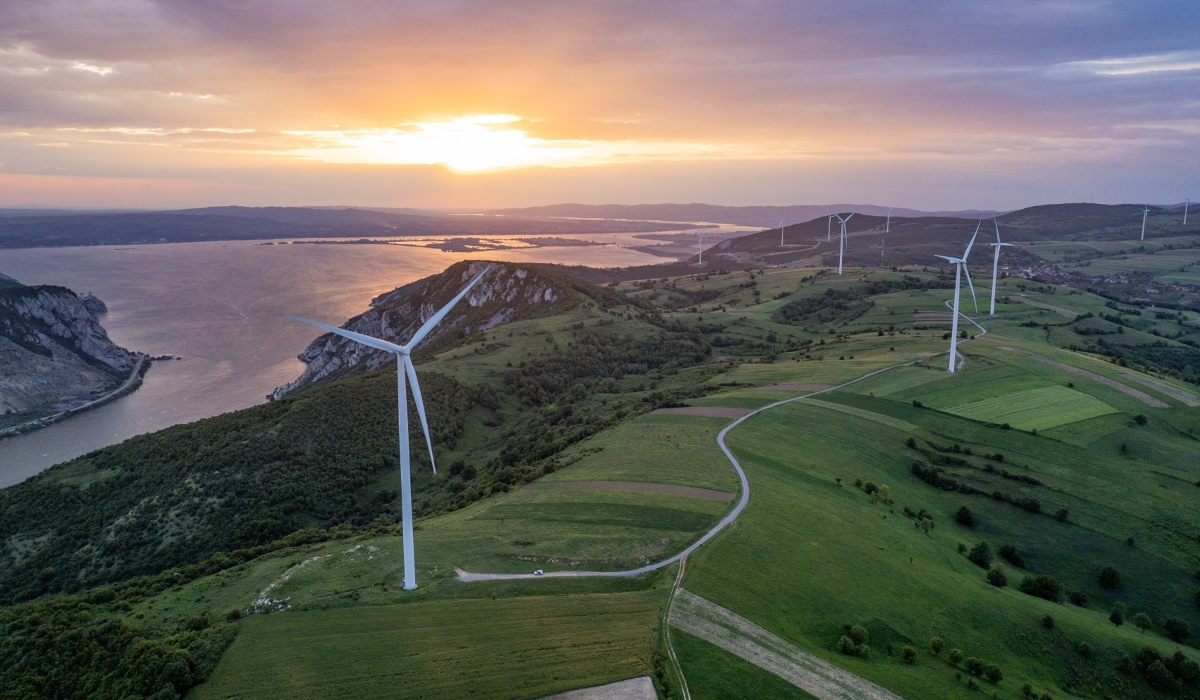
404 366
701 260
996 264
886 229
1186 202
781 232
1145 213
960 266
829 229
842 238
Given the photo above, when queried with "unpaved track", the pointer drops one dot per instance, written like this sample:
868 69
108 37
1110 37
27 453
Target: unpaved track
641 688
634 487
743 638
1180 395
1139 395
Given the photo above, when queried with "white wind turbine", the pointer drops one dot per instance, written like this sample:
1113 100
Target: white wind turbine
842 239
1186 203
404 366
701 260
996 264
829 228
1145 213
960 266
886 230
780 232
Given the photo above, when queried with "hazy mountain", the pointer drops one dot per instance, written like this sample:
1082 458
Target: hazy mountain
744 216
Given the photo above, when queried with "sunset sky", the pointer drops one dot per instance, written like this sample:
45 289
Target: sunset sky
934 104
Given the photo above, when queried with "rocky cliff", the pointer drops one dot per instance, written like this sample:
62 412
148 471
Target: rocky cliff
509 292
53 350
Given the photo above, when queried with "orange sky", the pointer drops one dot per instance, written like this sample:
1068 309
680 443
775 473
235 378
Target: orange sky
136 103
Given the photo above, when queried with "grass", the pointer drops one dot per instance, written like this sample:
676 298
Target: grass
512 647
714 674
1035 409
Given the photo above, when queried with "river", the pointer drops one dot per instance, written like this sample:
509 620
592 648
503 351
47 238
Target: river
219 306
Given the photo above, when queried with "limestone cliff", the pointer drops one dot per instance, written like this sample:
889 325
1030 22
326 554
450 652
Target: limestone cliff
509 292
54 353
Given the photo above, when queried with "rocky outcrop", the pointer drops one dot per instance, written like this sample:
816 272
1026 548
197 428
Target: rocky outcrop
53 348
509 292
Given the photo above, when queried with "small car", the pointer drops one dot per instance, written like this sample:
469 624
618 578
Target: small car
539 572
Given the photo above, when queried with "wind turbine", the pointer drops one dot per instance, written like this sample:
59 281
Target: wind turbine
960 266
1145 213
842 238
404 366
886 230
996 264
780 232
1186 202
701 260
829 228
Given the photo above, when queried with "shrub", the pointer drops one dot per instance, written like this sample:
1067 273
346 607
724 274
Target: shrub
908 654
847 646
935 645
1110 578
1032 505
1187 670
1146 656
981 555
974 665
1062 514
233 615
864 651
1084 649
1142 620
956 656
1027 690
1079 598
993 673
1177 629
1158 676
997 577
971 684
965 517
1048 621
1140 419
858 633
1042 586
962 549
917 404
1014 557
912 442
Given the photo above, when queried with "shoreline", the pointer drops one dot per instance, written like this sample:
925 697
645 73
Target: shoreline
127 387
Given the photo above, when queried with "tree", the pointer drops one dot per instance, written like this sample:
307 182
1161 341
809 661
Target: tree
965 517
1117 617
956 656
981 555
909 654
1140 419
1142 620
1177 629
935 645
997 577
1042 586
1048 621
1110 578
992 673
858 633
1079 598
1062 514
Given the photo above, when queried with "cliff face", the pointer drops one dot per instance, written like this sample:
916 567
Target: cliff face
53 349
509 292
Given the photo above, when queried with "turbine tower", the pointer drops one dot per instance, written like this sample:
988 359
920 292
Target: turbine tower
1145 213
996 264
960 266
701 260
781 231
829 228
404 366
1186 202
886 230
842 239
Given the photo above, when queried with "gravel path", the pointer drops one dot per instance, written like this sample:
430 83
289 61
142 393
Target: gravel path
743 638
1180 395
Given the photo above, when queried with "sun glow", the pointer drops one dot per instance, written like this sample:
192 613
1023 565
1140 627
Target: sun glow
475 143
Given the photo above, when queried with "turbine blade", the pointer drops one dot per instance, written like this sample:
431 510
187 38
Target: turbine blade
417 399
977 226
997 229
437 318
968 273
356 337
947 258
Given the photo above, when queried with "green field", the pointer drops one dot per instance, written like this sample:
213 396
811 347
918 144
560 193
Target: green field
511 647
1035 409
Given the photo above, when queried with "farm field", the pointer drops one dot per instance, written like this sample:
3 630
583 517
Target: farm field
1035 409
510 647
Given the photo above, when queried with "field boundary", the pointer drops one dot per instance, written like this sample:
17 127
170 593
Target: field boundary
634 487
1111 383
